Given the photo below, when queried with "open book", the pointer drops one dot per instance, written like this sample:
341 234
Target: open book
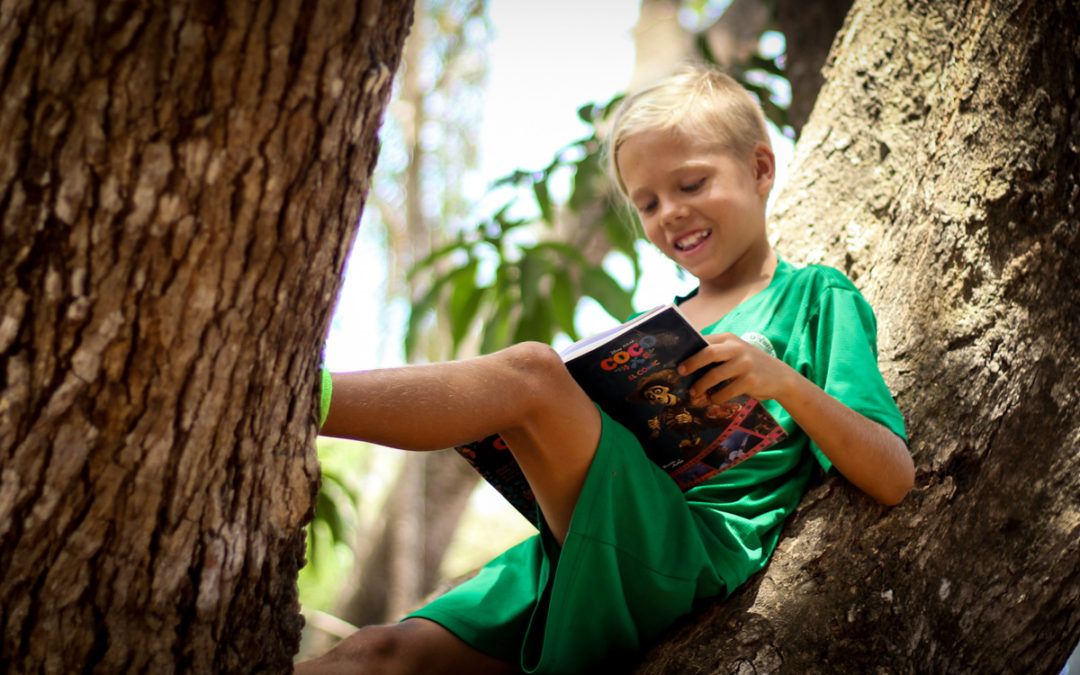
630 372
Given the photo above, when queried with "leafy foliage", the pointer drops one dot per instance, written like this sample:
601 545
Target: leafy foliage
517 284
336 513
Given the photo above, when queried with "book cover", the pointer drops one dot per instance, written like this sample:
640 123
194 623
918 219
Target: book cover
630 372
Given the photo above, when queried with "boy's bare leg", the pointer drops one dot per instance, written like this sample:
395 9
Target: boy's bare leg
412 646
524 393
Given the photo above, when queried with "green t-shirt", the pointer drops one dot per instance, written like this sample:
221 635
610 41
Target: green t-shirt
639 552
817 322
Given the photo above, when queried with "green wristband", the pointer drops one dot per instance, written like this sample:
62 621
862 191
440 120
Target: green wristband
324 395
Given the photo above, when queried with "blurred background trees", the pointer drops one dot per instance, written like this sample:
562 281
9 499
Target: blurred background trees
385 518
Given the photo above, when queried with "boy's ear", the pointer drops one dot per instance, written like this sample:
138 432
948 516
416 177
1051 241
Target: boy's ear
763 163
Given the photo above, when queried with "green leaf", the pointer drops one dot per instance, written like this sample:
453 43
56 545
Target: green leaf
467 316
497 329
532 269
505 224
462 282
523 328
328 509
586 113
559 250
516 178
599 285
545 329
586 175
543 200
563 304
419 310
534 325
622 235
431 258
464 298
328 514
611 106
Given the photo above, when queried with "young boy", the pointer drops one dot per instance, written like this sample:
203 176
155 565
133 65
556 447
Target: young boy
622 552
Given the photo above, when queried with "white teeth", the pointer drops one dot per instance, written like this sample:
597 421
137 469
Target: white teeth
692 240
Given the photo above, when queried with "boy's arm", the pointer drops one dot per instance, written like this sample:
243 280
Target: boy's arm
870 456
873 458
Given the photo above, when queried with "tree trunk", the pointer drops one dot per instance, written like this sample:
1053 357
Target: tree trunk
940 170
178 192
809 29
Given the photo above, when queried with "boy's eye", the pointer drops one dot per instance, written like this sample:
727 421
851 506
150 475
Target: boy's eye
647 207
693 186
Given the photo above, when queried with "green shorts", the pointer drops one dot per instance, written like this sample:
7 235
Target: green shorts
636 557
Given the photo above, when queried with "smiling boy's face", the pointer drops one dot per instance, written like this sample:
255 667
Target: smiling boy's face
701 206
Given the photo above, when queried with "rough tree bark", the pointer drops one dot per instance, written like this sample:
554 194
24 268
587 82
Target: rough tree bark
940 169
179 187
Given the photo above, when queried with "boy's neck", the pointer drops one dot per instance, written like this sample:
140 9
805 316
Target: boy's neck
747 277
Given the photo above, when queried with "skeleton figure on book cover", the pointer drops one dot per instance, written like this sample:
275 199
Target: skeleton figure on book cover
663 388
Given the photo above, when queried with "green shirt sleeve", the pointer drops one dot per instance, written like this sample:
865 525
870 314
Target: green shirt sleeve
840 338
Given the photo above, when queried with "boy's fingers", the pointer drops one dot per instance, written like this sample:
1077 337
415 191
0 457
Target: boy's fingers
710 356
724 394
716 352
713 377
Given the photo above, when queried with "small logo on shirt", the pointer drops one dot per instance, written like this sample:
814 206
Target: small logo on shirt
759 341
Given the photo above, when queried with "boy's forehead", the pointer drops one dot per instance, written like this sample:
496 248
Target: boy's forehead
656 152
673 144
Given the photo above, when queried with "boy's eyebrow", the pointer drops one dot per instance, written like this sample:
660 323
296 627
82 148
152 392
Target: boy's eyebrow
691 165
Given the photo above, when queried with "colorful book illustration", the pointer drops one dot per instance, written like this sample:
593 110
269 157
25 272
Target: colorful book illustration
630 372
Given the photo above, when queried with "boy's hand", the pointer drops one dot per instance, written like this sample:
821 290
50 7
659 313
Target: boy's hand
873 458
740 367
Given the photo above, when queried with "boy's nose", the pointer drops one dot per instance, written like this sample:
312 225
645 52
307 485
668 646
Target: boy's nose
673 213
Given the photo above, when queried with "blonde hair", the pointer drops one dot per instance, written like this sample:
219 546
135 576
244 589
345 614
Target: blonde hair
696 100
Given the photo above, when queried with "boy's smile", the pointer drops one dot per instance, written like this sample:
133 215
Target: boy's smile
700 205
691 240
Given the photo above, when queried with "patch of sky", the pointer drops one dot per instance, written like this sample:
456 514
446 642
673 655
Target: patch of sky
779 88
772 44
544 65
360 308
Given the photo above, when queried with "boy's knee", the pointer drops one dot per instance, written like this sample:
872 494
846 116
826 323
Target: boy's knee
532 356
541 373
